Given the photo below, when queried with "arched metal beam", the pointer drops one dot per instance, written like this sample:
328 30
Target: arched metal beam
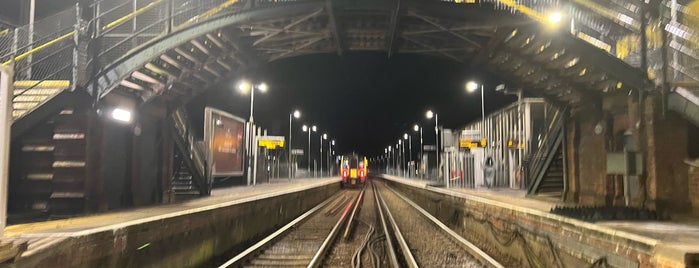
113 74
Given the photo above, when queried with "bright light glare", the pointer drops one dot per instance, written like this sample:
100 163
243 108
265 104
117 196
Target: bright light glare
405 136
122 115
332 142
416 127
244 86
262 87
325 136
314 129
297 114
305 128
471 86
555 17
429 114
400 142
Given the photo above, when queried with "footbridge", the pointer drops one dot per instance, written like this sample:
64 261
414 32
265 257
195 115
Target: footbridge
621 68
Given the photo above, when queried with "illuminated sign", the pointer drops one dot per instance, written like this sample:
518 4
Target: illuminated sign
224 135
270 142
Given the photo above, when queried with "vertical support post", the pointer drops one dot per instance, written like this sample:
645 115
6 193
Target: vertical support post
254 163
30 36
6 74
76 42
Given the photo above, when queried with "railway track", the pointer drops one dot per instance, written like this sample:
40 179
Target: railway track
423 241
303 242
371 227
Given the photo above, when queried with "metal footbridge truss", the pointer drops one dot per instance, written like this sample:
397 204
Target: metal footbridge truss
174 50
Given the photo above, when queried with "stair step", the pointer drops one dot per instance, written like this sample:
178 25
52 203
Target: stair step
68 164
24 105
36 92
68 136
40 176
67 195
35 84
37 148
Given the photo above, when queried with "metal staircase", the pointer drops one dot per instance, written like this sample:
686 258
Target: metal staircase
194 174
50 180
546 170
28 95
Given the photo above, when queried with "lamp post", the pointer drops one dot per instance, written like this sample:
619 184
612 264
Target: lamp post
417 128
307 129
401 156
429 115
244 87
330 155
409 138
296 114
322 137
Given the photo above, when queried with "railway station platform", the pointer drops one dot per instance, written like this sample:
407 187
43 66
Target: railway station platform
669 243
49 242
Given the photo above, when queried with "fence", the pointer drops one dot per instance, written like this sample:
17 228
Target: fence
510 135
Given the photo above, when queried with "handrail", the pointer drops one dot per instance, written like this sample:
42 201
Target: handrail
118 21
196 152
538 158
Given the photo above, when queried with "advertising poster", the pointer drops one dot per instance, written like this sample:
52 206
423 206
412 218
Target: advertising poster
224 134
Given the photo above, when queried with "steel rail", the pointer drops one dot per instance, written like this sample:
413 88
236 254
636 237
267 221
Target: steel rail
348 227
389 244
318 258
468 246
259 245
407 254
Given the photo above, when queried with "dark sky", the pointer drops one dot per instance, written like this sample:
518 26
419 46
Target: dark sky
364 101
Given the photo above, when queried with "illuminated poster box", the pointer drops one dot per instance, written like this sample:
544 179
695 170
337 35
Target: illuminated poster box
224 134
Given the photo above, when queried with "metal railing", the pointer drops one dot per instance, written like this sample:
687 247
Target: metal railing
538 159
194 151
615 27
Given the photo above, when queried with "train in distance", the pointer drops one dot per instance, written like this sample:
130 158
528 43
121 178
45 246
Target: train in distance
353 170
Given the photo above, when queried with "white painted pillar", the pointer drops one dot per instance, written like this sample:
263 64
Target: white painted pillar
6 94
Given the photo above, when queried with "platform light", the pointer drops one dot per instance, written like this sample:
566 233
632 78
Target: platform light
244 86
297 114
262 87
305 128
314 128
471 86
416 127
555 17
121 115
429 114
405 136
325 136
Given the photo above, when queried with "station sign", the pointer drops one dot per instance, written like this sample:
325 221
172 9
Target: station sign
467 143
270 142
429 148
296 151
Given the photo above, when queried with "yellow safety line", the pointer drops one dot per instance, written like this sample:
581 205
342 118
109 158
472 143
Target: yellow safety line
130 15
4 32
524 9
213 11
117 22
62 37
26 54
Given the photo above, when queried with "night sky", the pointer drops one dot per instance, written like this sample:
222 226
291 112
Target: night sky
365 101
